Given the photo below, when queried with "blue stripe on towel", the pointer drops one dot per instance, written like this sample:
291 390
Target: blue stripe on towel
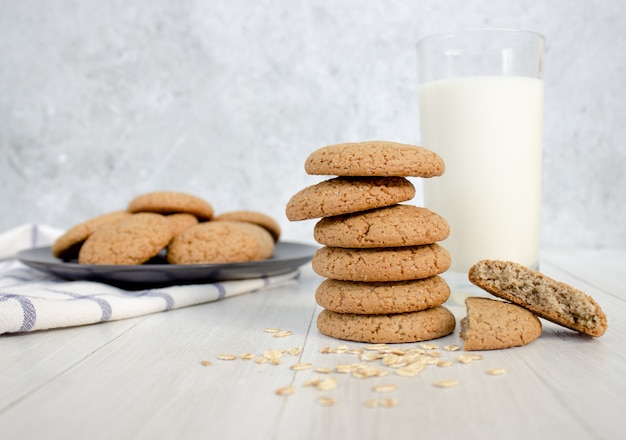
221 291
28 309
169 301
105 307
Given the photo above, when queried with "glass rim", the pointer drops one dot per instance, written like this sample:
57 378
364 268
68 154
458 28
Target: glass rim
450 34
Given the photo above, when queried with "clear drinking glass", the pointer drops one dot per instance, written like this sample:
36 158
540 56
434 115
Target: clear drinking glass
481 110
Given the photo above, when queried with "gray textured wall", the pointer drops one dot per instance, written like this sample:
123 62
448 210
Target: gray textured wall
102 100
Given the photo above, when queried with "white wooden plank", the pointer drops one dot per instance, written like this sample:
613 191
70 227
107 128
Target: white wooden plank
30 360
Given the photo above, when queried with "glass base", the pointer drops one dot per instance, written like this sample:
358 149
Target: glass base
461 288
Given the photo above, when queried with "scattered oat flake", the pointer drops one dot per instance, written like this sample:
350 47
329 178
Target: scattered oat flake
206 363
326 350
371 403
323 370
272 354
467 358
326 384
226 357
428 346
341 349
285 391
362 371
464 359
385 388
452 348
388 403
295 351
444 363
447 383
370 356
271 330
326 401
301 366
411 370
392 359
312 382
282 334
247 356
343 368
356 351
260 360
376 347
496 371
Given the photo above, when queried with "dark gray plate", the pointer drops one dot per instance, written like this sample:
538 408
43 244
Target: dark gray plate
287 256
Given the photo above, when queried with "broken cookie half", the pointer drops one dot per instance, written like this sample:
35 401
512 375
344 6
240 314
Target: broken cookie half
492 324
550 299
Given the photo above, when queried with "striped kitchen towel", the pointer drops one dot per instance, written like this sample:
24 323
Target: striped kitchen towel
32 300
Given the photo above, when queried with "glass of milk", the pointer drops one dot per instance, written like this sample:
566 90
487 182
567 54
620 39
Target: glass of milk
481 108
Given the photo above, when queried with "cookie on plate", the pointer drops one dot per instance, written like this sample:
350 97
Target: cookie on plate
381 264
220 242
264 238
492 324
67 245
181 221
550 299
382 298
397 225
130 241
170 202
387 329
254 217
344 195
375 158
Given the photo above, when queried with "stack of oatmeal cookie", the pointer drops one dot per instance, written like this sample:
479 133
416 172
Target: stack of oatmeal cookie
380 258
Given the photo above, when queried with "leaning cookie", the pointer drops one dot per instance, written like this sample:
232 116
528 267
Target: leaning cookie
181 221
375 158
170 202
550 299
381 264
382 298
129 241
220 242
492 324
387 329
344 195
254 217
397 225
68 245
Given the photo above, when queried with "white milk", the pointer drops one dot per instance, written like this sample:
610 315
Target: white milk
488 131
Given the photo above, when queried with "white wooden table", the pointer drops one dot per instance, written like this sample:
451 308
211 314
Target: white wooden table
143 378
